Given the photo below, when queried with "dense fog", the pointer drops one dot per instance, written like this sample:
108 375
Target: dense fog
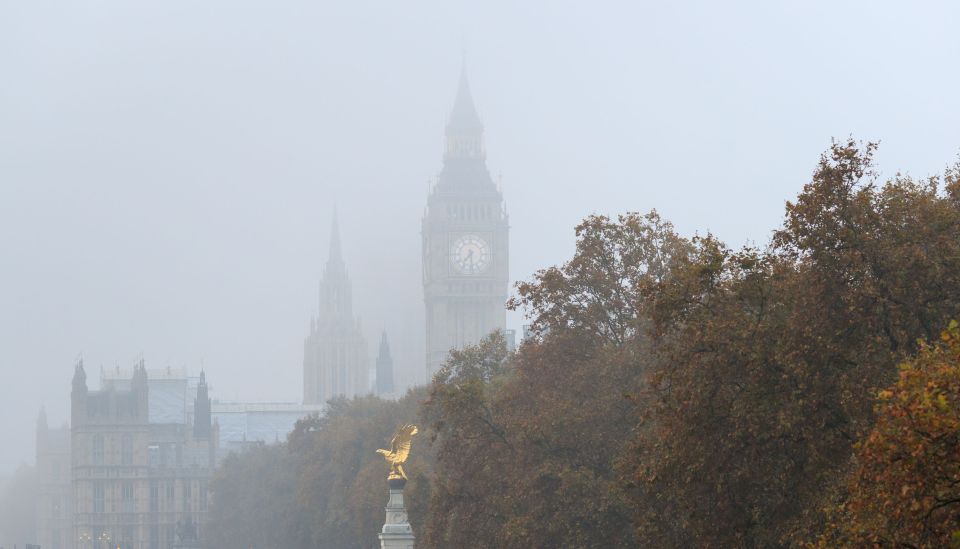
169 170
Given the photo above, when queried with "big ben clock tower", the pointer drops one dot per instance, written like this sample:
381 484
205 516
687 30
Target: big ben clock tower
465 241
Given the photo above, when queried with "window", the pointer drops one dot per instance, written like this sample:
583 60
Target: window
126 496
98 497
154 496
154 537
170 495
126 449
186 497
98 449
203 497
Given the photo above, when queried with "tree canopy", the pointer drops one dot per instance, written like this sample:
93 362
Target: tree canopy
677 392
905 489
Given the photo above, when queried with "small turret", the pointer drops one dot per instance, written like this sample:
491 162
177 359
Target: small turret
140 389
139 381
79 378
384 368
201 410
78 396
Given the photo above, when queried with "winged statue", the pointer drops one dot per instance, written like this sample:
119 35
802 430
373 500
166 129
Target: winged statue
399 451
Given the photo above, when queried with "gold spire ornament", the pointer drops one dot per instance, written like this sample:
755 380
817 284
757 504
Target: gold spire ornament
399 451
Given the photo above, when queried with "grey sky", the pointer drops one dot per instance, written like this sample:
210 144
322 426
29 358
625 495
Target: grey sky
168 169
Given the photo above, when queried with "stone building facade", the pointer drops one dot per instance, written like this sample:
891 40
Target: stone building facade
137 483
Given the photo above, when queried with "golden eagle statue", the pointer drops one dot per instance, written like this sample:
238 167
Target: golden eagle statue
399 451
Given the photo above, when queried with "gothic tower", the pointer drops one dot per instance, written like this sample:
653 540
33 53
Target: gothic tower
465 241
335 353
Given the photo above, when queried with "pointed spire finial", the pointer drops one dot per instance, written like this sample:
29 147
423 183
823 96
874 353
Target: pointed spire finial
464 118
384 367
336 253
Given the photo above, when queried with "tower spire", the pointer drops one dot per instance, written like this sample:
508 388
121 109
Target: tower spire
384 368
334 360
201 410
464 128
335 291
463 117
336 252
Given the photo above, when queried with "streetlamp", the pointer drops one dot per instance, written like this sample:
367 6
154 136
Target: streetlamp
104 536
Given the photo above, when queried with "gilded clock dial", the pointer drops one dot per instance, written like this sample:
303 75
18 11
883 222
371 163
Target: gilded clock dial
470 255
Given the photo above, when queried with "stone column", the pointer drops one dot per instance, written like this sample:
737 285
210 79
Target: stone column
396 532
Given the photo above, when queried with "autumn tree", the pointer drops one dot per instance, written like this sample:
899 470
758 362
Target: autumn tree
676 393
254 501
527 444
325 487
469 441
342 480
765 360
905 491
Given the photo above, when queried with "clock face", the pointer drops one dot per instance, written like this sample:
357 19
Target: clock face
470 255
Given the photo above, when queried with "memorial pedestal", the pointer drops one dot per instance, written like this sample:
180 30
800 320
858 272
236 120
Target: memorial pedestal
396 532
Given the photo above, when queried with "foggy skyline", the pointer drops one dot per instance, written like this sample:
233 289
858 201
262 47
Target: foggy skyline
168 172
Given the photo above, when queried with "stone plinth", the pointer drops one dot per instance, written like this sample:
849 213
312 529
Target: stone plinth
396 532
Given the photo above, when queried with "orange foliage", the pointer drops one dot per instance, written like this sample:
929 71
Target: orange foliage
906 489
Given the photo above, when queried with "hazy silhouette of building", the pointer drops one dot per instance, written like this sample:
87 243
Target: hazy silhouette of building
465 241
54 501
385 387
245 425
140 472
335 353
